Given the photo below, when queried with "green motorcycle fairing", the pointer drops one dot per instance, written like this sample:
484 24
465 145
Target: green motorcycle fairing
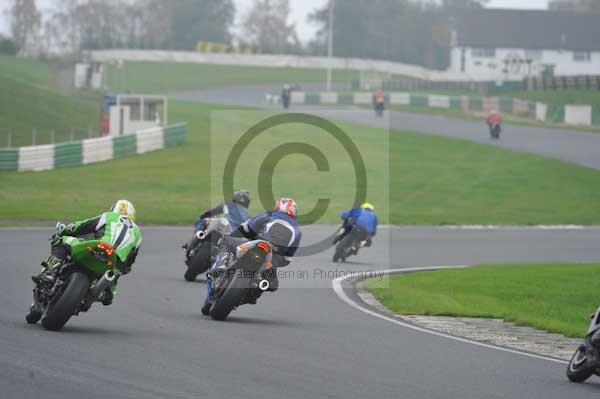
82 253
119 232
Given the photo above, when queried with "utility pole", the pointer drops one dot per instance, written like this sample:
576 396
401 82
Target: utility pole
330 44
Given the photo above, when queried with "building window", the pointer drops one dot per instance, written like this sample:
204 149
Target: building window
483 52
582 56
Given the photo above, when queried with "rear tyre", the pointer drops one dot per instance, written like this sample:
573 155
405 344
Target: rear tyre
199 263
63 308
230 299
578 369
343 247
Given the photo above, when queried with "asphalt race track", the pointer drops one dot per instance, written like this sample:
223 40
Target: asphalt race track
572 146
301 342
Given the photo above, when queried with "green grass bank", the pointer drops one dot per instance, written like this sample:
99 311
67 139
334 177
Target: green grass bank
413 179
553 297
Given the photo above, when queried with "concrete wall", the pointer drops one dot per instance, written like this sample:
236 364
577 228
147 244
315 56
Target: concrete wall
273 61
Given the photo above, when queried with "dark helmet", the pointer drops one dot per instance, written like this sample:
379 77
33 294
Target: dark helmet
242 197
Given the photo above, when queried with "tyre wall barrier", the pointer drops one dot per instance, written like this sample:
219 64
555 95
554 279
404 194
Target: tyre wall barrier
72 153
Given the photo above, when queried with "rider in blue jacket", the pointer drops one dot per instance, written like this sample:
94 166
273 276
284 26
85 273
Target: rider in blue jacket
363 217
236 212
279 227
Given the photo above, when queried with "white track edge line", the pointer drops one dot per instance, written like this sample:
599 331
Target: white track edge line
339 291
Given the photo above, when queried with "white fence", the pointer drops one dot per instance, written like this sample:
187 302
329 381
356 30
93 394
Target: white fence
279 61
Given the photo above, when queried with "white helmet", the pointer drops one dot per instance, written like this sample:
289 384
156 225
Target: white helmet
124 208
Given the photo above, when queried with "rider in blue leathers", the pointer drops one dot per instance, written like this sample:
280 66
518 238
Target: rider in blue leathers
236 212
363 217
279 227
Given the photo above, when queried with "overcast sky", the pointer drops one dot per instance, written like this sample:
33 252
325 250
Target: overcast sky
300 9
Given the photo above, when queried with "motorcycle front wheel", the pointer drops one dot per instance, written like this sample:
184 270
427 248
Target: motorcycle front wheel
578 369
199 263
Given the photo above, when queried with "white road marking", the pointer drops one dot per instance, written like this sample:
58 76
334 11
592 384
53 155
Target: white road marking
339 290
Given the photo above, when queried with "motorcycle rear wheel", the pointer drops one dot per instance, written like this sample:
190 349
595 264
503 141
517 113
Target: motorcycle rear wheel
341 250
578 370
59 312
230 299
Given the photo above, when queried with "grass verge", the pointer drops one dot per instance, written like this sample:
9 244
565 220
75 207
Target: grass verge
554 297
432 180
30 99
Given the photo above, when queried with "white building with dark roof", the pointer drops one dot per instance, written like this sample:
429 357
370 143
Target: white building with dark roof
515 44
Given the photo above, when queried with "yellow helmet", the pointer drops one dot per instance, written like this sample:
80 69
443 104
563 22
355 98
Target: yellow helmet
367 205
125 208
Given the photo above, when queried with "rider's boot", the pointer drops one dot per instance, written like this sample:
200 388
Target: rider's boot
50 263
108 295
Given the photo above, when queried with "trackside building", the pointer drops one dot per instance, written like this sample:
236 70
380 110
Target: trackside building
499 45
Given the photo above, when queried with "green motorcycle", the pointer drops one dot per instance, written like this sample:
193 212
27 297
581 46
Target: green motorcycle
69 287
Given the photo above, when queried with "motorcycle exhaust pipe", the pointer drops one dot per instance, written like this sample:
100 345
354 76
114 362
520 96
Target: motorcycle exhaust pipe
201 235
103 283
264 285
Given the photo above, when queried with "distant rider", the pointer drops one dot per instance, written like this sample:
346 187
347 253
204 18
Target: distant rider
286 96
494 122
379 102
363 217
116 228
236 212
279 227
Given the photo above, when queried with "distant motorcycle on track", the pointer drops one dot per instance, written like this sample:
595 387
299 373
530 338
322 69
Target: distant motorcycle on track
495 131
494 122
379 103
350 243
585 362
199 251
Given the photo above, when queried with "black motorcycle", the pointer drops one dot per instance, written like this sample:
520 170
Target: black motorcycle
240 279
586 359
286 98
495 130
200 250
349 243
379 109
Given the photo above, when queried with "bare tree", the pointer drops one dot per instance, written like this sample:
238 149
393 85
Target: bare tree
25 24
266 27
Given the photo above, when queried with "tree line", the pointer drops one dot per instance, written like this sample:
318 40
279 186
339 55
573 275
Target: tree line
410 31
